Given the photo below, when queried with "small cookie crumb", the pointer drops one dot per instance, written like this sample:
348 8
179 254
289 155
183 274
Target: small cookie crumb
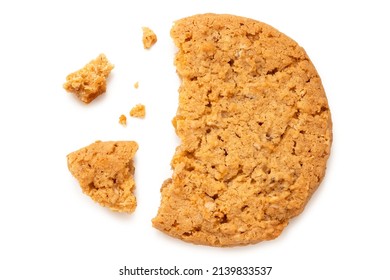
90 81
123 120
138 111
149 38
136 85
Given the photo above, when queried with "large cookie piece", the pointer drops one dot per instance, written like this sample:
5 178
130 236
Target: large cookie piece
255 132
105 172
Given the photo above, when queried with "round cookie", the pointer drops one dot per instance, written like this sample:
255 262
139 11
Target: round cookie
255 130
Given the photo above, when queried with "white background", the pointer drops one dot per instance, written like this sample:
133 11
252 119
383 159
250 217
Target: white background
50 230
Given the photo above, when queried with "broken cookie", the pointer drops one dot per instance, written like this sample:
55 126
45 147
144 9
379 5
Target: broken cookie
255 130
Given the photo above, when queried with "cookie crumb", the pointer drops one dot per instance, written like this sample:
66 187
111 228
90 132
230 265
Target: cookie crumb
123 120
90 81
138 111
149 38
105 172
136 85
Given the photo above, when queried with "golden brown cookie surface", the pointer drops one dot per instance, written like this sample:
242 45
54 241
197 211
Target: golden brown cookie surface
105 172
255 132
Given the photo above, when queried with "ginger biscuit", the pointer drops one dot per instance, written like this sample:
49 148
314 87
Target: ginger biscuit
105 172
255 130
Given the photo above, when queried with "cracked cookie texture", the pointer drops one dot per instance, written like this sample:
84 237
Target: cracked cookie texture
105 172
255 131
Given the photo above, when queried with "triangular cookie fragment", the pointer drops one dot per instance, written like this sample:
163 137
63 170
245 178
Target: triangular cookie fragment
105 172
